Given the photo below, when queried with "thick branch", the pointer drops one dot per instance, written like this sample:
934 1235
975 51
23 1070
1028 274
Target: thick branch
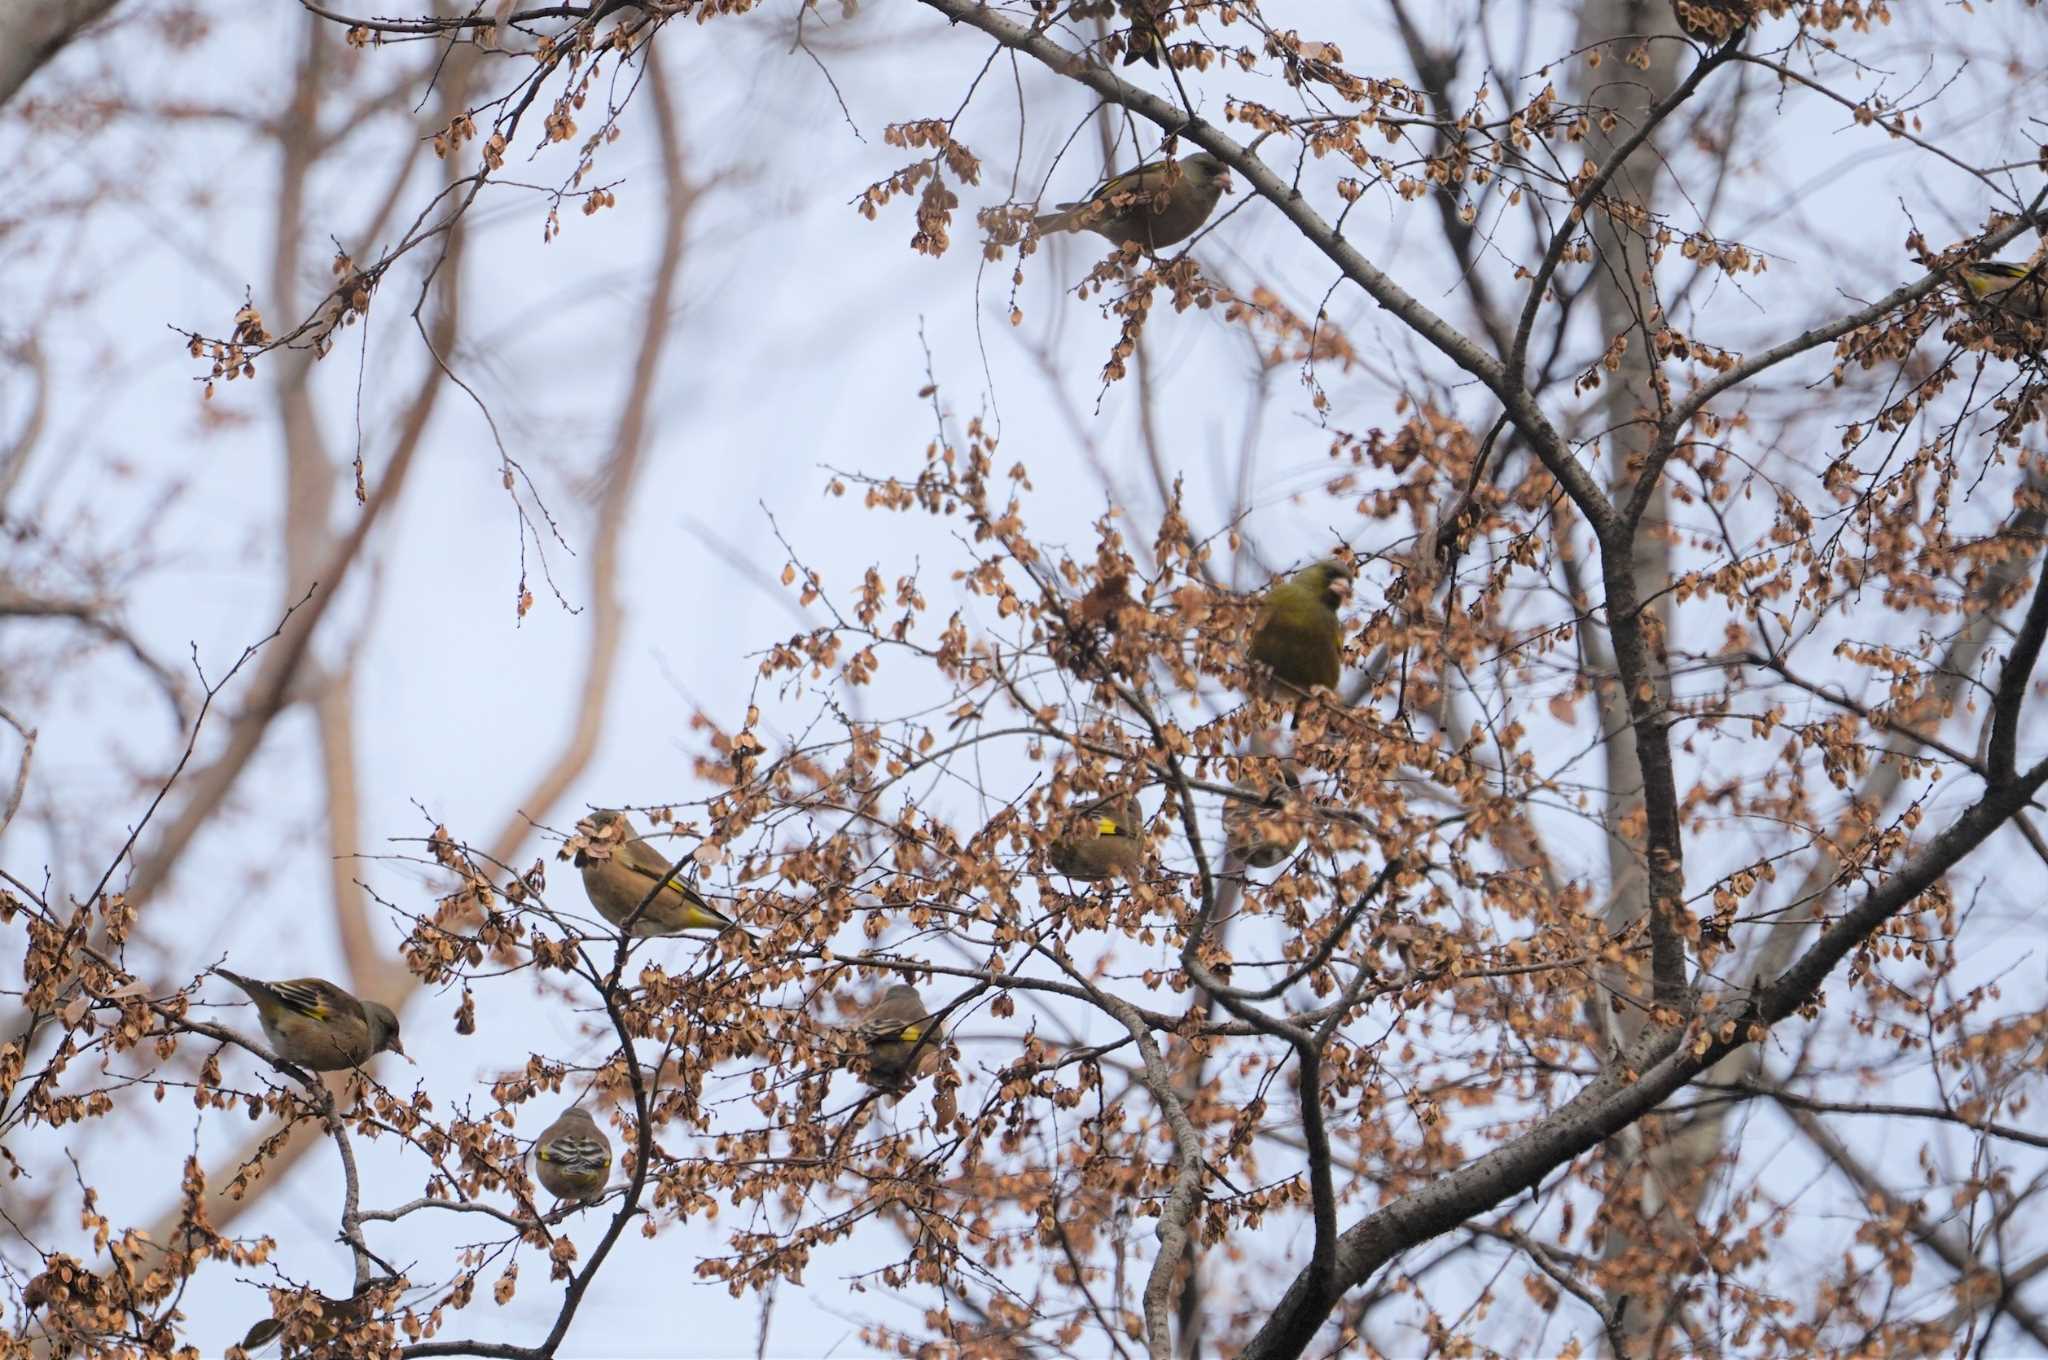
1613 1101
2012 683
33 32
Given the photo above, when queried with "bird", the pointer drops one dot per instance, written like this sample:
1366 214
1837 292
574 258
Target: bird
900 1037
1106 838
1260 830
1713 21
1158 204
1143 42
320 1319
1299 637
573 1156
315 1024
2008 292
1146 41
619 879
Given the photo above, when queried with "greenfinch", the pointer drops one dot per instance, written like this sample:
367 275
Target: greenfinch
573 1157
1144 40
1260 830
899 1035
315 1024
620 870
320 1319
1104 839
2009 292
1713 21
1153 206
1299 637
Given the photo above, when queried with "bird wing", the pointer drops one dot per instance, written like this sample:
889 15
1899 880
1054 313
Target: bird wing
575 1152
644 860
316 998
1148 178
905 1020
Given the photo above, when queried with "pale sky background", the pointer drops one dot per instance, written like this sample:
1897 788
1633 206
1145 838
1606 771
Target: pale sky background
796 348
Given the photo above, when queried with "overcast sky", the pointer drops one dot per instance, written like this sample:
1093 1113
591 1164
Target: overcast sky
800 346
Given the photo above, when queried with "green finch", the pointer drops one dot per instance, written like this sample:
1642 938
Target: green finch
900 1037
1299 636
2008 292
1103 839
620 870
1713 21
315 1024
1260 831
573 1156
1144 41
1152 206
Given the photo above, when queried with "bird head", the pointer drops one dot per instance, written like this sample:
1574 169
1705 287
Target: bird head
1204 169
603 829
903 991
384 1029
1329 579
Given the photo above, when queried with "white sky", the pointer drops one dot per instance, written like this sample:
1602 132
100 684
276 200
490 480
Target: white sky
796 347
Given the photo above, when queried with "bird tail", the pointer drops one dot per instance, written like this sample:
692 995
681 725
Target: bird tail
1143 48
1066 219
250 985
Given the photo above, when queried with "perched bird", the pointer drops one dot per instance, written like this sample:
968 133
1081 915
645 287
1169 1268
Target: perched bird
573 1156
900 1037
1106 838
312 1022
1155 205
1262 833
1146 41
1713 21
320 1319
1298 636
620 869
2008 292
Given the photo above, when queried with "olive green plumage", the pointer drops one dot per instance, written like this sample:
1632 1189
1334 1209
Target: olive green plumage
2007 293
573 1156
1261 830
1156 205
1299 637
620 869
315 1024
899 1035
1101 840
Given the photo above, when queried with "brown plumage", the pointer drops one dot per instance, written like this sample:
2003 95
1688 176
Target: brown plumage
315 1024
901 1039
1153 206
620 869
1262 833
1712 21
573 1157
1146 40
1102 839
